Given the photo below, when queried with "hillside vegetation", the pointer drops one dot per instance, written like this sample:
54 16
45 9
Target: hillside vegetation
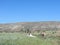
19 33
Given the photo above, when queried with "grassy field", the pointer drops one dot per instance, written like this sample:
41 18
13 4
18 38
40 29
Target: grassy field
23 39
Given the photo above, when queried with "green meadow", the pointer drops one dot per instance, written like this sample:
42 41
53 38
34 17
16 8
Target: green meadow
23 39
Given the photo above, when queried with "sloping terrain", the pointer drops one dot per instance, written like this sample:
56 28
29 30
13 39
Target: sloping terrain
44 25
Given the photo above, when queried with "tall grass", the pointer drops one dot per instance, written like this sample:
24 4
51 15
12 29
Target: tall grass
23 39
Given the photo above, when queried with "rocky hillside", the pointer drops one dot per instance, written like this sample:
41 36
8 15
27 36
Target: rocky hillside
12 27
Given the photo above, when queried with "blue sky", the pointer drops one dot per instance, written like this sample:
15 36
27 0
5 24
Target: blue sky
29 10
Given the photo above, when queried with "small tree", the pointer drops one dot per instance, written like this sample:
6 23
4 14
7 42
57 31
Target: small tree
28 31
